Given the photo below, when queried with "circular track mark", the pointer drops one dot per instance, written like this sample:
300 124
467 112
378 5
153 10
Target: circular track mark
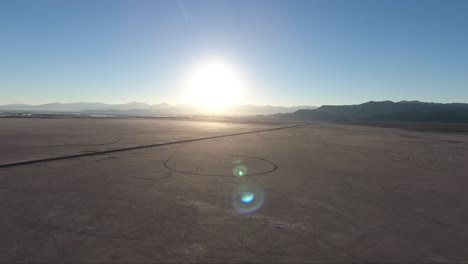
272 164
168 175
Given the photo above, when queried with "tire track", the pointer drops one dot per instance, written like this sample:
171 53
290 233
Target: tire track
274 167
58 246
28 162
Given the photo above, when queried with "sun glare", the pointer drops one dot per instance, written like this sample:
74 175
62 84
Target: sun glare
214 85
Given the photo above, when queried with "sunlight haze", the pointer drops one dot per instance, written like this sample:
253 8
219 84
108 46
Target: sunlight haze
290 53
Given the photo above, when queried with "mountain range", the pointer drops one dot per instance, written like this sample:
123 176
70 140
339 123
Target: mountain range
388 111
143 109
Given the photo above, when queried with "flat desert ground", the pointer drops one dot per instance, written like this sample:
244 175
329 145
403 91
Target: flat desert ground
313 193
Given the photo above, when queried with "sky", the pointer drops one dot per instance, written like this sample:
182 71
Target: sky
288 52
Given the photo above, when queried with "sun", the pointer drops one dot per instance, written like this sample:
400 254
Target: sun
214 85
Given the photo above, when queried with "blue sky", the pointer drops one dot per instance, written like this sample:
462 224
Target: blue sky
291 52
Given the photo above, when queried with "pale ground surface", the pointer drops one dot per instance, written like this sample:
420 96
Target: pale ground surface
25 139
332 193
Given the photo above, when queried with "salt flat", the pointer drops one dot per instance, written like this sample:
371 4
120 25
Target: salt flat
316 193
32 138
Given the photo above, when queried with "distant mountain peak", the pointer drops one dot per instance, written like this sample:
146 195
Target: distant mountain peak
163 109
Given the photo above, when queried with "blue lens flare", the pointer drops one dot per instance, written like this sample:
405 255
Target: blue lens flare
247 197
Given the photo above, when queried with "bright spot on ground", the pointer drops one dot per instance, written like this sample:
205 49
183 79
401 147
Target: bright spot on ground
215 84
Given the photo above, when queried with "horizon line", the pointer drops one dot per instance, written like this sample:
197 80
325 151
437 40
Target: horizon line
246 104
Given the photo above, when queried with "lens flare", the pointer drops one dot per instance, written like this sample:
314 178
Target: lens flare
247 198
240 170
237 161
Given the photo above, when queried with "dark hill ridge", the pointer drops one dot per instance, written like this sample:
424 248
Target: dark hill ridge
404 111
